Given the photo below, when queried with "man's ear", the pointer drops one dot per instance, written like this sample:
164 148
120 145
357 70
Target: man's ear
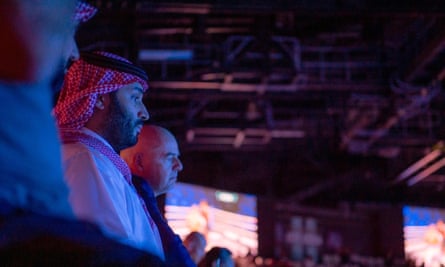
102 101
138 161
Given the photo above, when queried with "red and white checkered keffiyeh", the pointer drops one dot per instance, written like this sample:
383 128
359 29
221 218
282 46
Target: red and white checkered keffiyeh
84 82
84 12
90 141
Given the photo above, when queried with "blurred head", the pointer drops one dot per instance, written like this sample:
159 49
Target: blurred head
104 93
217 257
35 35
195 243
155 158
83 13
38 38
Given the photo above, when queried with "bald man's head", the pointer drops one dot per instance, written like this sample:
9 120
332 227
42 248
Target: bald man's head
155 158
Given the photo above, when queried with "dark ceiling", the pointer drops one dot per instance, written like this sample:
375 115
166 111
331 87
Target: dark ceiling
315 102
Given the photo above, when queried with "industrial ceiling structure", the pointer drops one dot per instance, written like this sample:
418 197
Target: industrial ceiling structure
309 101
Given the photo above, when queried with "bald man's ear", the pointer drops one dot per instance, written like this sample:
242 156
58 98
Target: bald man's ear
138 161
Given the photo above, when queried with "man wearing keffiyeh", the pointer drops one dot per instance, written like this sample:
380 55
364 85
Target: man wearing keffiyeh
99 112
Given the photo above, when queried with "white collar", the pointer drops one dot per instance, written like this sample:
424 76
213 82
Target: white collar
92 133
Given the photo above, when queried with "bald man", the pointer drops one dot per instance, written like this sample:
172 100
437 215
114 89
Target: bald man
155 158
154 163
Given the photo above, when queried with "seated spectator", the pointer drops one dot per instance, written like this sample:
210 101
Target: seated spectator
100 112
195 242
217 257
154 163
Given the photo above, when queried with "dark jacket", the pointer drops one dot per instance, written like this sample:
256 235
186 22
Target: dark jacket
31 239
176 254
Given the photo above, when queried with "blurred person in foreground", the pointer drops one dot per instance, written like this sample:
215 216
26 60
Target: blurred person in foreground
195 242
37 43
99 113
154 163
37 226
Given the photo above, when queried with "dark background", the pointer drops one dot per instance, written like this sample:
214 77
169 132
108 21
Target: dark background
305 103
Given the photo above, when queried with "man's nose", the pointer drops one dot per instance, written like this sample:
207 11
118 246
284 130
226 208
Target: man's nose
178 166
143 114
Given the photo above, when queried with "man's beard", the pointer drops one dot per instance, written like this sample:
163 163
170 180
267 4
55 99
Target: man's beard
119 127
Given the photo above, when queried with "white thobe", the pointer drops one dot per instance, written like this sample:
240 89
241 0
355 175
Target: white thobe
100 194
